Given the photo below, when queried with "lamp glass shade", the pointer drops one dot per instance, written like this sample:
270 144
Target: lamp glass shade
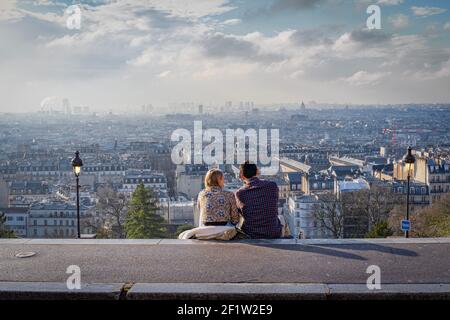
77 170
77 163
409 167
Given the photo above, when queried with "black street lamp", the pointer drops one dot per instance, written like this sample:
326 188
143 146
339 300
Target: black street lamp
409 162
77 163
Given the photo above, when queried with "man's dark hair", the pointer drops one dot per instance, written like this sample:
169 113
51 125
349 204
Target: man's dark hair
248 170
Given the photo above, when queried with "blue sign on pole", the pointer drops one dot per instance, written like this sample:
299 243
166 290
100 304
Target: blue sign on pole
406 225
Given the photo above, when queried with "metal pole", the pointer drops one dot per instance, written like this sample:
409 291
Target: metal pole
407 206
168 210
78 208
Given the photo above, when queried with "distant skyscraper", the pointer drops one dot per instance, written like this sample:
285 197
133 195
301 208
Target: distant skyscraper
146 108
303 107
66 106
77 110
200 109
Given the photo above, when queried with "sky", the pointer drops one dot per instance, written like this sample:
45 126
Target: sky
132 52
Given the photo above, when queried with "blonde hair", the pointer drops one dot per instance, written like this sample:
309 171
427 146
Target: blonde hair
212 178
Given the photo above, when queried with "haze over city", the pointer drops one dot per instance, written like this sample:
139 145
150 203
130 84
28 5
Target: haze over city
129 53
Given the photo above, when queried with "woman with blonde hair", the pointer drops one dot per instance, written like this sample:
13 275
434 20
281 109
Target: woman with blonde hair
217 206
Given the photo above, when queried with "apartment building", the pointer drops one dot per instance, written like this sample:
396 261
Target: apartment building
56 220
301 218
16 220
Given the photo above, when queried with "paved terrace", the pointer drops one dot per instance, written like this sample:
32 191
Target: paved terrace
166 269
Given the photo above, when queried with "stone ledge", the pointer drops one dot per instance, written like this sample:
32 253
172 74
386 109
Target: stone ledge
251 291
222 291
226 291
58 291
250 241
225 262
410 291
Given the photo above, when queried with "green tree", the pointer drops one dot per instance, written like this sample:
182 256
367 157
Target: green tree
380 230
142 220
4 232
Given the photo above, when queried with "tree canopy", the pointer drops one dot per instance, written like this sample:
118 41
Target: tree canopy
142 220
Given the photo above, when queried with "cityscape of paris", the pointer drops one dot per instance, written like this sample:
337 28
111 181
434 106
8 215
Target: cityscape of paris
301 142
323 150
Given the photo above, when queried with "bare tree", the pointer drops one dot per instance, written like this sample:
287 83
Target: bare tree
111 208
374 205
329 214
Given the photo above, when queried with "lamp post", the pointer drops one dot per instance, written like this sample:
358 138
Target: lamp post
76 166
409 162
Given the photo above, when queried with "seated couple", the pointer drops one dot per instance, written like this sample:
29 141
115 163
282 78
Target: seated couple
253 209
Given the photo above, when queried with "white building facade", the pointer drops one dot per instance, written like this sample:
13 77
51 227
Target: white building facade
16 220
56 220
299 213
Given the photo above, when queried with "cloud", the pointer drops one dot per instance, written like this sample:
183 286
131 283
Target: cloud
282 5
310 37
232 22
221 45
447 26
127 47
432 73
363 43
390 2
399 21
9 11
444 71
364 78
427 11
362 4
164 74
369 36
248 47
